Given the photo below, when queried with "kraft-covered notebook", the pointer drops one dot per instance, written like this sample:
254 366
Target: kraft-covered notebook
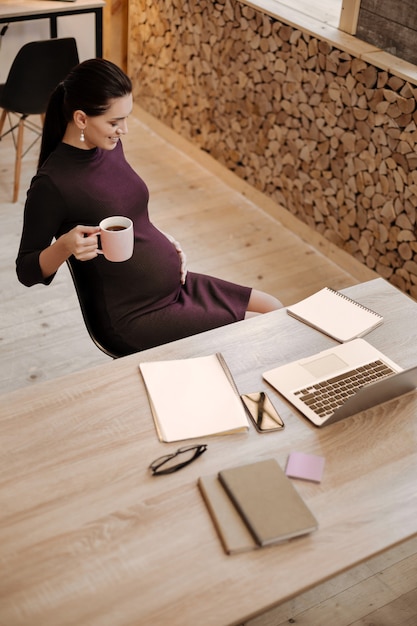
268 502
234 535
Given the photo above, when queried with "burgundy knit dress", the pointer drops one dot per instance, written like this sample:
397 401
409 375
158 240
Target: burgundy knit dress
140 302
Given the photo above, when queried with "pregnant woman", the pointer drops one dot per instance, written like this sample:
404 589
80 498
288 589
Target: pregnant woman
82 178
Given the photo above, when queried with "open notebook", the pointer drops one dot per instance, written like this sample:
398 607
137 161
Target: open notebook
341 381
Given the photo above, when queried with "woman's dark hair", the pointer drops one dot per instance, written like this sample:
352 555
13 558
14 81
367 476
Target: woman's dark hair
89 87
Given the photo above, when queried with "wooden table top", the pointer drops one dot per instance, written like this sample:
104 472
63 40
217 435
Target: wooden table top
88 537
14 8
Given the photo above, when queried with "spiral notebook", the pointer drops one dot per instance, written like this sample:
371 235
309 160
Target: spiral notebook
336 315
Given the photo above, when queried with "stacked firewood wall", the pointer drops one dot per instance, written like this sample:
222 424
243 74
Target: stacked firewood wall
326 135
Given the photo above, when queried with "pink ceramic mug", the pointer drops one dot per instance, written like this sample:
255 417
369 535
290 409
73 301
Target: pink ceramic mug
116 238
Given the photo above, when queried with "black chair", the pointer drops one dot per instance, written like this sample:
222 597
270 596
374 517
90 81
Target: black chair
35 72
88 306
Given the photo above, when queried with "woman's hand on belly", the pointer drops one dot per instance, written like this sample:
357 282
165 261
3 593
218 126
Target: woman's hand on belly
181 254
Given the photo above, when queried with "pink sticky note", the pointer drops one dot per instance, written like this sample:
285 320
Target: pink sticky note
306 466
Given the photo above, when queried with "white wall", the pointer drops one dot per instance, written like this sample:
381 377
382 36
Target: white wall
82 27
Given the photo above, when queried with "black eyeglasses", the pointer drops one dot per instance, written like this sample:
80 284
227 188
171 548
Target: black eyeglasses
167 464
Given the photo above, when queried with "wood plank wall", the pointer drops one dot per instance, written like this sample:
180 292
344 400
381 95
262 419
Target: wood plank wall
390 25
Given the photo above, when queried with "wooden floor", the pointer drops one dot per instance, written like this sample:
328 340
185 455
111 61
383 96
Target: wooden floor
224 233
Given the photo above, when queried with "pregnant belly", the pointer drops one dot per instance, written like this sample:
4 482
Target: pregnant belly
149 280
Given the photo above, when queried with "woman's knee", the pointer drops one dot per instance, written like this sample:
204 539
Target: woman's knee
261 302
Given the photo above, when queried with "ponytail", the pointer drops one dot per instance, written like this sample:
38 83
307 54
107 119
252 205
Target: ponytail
54 125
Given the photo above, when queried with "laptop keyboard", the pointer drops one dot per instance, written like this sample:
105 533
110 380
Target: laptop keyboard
325 397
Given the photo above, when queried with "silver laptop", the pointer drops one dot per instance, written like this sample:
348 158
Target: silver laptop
341 381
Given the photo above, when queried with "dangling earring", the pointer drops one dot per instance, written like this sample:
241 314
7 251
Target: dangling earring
82 138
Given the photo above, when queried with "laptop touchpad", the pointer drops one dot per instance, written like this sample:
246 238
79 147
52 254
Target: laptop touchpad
325 365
